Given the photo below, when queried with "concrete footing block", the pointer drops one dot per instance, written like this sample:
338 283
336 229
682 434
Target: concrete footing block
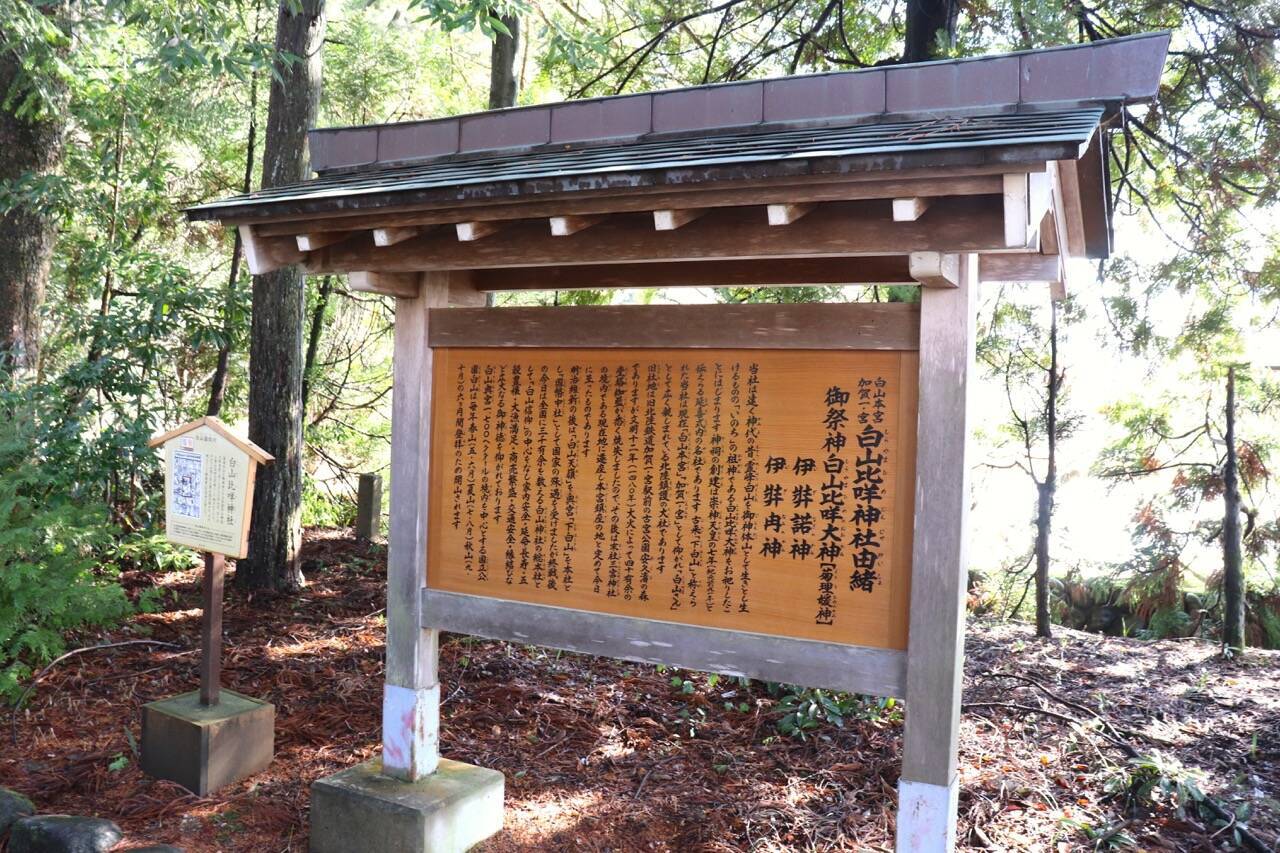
207 748
359 809
927 816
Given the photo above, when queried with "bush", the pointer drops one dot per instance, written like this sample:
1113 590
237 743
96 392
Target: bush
50 576
61 543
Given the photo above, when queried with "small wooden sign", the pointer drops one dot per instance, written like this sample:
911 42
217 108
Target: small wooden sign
762 491
208 486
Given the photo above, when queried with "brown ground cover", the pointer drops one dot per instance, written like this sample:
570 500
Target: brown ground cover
605 755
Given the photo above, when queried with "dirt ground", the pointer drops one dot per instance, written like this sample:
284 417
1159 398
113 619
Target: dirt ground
603 755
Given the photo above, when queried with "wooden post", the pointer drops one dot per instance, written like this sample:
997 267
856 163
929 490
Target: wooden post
211 629
928 787
368 507
411 696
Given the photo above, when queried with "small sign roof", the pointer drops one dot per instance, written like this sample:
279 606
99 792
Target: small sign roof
257 453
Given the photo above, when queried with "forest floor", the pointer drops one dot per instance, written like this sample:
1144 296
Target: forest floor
605 755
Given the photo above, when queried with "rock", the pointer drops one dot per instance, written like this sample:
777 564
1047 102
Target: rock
63 834
154 848
13 806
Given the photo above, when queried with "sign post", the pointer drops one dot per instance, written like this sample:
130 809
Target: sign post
211 629
209 738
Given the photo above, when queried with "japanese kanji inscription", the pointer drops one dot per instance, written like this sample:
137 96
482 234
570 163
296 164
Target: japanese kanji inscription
767 491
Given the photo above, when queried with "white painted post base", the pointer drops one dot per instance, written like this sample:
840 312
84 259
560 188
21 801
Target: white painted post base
927 816
410 731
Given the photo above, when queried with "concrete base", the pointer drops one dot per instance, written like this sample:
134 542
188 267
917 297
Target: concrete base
927 816
359 809
206 748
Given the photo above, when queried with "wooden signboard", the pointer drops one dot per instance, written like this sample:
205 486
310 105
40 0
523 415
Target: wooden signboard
619 490
208 486
762 491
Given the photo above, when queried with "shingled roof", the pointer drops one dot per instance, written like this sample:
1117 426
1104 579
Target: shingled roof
1015 107
880 175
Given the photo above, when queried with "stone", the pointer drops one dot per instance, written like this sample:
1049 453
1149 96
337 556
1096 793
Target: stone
154 848
359 809
59 833
207 748
13 806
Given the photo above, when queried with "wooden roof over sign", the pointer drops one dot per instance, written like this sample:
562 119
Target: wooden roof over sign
900 168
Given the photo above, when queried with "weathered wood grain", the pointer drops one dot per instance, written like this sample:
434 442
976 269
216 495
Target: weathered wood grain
876 269
878 672
843 326
935 643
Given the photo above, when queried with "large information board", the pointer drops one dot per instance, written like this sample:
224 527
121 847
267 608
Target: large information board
765 491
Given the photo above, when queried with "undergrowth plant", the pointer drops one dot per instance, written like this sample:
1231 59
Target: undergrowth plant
60 549
807 710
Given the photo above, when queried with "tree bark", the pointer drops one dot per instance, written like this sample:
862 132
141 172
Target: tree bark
1047 490
28 146
503 84
275 349
930 24
1232 561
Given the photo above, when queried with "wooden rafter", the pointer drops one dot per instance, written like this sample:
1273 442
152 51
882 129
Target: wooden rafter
563 226
785 214
392 235
834 230
817 188
670 220
909 209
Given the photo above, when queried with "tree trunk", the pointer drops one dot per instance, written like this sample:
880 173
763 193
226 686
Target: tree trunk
1232 562
931 24
503 86
1047 489
279 298
28 146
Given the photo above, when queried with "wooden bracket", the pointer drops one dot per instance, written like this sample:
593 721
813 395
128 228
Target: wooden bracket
1067 185
267 254
402 284
1020 267
563 226
470 231
320 239
909 209
670 220
935 269
1026 199
785 214
391 236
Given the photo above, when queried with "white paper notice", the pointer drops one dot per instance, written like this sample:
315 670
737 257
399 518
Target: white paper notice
207 486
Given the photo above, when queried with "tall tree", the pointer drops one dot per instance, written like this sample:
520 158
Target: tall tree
32 124
930 30
1022 354
279 298
1205 441
1232 560
503 80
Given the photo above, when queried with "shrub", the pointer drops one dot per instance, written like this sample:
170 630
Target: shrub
51 579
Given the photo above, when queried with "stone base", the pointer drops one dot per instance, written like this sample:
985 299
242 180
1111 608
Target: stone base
206 748
358 810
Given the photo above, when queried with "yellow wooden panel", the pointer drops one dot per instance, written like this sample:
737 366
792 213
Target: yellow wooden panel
756 490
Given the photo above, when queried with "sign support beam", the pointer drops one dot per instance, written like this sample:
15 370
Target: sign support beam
935 668
411 697
211 629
